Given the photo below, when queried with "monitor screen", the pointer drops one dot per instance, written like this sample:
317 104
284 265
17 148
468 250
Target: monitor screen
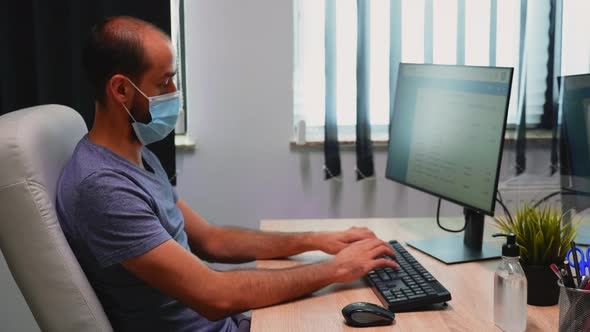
574 148
447 131
575 139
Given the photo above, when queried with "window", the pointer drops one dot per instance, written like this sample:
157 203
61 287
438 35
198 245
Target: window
177 37
575 50
444 32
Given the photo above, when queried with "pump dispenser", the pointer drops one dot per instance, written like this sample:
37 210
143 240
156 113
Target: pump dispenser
510 248
510 288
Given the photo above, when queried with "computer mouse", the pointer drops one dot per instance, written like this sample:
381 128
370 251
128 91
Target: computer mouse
362 314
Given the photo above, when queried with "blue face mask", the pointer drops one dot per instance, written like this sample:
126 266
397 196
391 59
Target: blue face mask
164 110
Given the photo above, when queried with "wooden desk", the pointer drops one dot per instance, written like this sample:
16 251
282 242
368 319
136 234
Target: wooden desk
471 286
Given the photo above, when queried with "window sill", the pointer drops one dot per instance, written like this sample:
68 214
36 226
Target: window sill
315 138
184 143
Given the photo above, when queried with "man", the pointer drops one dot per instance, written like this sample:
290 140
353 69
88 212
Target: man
138 243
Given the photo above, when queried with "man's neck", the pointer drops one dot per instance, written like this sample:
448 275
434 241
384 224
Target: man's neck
115 134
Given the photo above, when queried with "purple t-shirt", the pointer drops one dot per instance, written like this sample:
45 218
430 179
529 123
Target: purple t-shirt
111 210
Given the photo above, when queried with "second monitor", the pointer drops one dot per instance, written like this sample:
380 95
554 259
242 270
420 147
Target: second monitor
446 137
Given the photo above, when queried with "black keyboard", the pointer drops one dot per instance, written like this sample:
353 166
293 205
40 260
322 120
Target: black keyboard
409 287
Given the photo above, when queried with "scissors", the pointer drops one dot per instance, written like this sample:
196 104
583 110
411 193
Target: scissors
583 260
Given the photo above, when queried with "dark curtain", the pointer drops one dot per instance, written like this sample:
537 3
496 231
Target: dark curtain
428 31
395 55
521 92
461 32
41 60
549 120
331 148
493 28
551 109
364 147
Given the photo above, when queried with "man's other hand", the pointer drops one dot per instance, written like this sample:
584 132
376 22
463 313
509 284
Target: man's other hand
333 242
357 259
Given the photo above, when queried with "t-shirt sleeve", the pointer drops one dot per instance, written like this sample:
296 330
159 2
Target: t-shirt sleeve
117 218
174 195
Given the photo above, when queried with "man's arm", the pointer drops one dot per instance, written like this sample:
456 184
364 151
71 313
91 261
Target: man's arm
234 245
178 273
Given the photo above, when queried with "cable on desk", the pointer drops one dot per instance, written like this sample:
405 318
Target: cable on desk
499 200
441 226
499 194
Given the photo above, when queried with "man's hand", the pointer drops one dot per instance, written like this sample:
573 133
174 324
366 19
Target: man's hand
333 242
356 260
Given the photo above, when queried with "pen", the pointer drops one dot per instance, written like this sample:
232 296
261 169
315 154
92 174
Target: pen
556 271
576 264
569 280
564 278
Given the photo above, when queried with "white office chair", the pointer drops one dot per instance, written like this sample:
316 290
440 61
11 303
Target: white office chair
35 144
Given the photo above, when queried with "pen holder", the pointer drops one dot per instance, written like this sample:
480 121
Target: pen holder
574 309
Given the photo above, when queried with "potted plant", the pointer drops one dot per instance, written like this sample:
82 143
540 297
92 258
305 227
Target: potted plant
543 240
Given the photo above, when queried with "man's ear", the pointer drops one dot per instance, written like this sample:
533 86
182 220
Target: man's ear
119 89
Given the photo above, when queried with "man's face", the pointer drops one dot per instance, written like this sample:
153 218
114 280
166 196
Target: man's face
157 80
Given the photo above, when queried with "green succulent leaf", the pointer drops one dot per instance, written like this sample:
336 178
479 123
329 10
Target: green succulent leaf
539 233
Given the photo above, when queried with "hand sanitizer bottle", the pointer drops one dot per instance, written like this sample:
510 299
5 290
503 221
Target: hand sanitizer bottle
510 289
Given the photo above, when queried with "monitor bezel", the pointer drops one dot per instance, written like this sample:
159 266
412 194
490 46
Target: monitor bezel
500 150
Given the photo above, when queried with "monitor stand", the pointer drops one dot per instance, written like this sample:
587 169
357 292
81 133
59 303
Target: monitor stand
461 249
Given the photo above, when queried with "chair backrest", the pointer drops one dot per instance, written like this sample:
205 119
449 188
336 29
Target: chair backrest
35 144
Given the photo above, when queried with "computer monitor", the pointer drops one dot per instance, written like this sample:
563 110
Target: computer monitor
446 137
574 149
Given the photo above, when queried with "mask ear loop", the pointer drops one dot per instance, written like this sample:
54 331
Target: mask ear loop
138 89
125 107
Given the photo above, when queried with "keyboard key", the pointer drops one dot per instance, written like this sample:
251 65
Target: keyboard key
398 300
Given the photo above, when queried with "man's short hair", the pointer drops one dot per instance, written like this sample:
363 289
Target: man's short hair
115 46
